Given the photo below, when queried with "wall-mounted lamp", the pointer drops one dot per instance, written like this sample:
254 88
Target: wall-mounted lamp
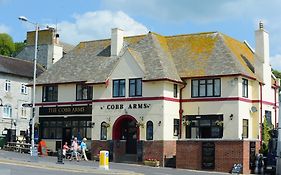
141 118
92 124
159 123
231 116
1 102
126 112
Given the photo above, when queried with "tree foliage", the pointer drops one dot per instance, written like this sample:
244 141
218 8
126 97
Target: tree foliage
276 73
18 47
7 46
266 135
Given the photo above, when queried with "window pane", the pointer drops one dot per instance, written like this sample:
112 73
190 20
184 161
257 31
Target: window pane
115 88
132 88
217 89
205 123
215 132
194 132
194 88
202 88
209 89
149 130
88 135
139 87
122 88
59 133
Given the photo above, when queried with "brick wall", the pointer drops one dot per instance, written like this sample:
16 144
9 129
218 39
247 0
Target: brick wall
227 153
119 149
98 145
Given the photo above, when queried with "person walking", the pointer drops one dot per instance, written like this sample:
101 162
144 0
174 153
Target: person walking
74 147
84 148
65 149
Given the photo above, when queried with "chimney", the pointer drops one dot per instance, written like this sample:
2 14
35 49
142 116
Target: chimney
262 44
116 41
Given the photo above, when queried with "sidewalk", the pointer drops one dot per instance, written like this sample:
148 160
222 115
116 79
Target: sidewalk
49 162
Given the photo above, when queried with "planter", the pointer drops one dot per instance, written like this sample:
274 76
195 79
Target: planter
154 163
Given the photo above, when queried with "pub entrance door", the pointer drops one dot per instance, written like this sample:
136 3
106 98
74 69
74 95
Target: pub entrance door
125 129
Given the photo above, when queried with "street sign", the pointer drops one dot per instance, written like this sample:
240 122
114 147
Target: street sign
30 105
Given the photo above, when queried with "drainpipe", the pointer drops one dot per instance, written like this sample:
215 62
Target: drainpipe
275 105
181 110
260 115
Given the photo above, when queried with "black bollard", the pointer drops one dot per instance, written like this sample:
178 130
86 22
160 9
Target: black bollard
60 157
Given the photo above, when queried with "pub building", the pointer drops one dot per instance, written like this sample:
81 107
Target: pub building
197 99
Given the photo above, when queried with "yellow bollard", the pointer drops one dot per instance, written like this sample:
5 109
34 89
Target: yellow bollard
104 156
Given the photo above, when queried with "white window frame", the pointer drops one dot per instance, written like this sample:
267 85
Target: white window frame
23 112
7 86
23 89
7 111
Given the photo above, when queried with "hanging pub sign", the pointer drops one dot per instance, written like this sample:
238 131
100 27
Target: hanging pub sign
65 110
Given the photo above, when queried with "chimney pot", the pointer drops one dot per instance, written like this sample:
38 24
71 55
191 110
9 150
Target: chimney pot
261 25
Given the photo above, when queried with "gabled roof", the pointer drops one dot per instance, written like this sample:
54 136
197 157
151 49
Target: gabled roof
160 57
18 67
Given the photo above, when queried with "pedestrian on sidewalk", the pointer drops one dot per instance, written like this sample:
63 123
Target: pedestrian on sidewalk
65 149
75 147
84 149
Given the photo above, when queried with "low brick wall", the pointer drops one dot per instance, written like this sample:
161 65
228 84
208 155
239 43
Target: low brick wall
97 146
227 153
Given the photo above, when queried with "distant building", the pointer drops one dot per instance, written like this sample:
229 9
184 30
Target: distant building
50 49
199 97
15 74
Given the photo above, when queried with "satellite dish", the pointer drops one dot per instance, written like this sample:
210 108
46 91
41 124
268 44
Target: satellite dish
253 109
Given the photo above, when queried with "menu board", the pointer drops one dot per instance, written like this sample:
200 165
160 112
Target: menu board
208 155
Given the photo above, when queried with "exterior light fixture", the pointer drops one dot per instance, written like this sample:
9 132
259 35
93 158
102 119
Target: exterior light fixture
159 123
1 102
231 116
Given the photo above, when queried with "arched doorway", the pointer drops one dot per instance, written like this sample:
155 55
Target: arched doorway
125 128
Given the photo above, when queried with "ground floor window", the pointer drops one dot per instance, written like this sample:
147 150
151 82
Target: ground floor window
204 126
245 133
54 127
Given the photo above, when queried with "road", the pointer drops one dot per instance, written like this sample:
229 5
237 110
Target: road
12 163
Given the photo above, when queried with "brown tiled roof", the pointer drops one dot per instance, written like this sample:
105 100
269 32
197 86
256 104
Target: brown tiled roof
160 57
18 67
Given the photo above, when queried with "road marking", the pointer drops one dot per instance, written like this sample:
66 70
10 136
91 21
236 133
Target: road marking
56 168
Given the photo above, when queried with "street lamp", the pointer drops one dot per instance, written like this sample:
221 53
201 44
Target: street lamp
23 18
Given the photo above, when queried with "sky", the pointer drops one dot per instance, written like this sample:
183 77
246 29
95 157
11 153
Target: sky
85 20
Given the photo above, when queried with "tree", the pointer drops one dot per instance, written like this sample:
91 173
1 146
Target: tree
18 47
7 46
266 135
276 73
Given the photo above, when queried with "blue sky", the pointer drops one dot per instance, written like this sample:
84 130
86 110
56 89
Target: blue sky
82 20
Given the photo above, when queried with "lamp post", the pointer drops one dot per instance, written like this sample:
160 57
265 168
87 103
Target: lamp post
22 18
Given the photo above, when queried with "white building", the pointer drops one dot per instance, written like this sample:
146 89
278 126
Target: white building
15 74
153 97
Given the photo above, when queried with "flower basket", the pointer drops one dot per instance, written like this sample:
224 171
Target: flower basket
154 163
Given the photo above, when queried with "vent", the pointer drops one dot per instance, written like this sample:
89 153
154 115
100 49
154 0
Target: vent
250 66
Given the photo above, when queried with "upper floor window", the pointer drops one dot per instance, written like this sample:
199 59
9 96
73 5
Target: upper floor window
23 112
119 88
84 92
175 90
7 111
244 87
8 86
23 89
206 88
149 130
135 87
50 93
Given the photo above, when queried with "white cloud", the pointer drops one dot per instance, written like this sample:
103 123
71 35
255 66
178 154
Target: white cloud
4 28
276 62
97 25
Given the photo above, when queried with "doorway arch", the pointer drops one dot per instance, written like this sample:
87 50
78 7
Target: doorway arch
124 128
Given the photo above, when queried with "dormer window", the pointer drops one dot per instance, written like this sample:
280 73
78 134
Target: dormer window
84 92
135 87
119 88
50 93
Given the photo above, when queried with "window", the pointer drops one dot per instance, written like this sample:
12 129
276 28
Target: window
245 133
149 130
84 92
50 93
7 111
103 132
119 88
135 87
245 88
8 86
268 117
23 112
204 126
52 128
176 127
23 89
175 90
206 88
